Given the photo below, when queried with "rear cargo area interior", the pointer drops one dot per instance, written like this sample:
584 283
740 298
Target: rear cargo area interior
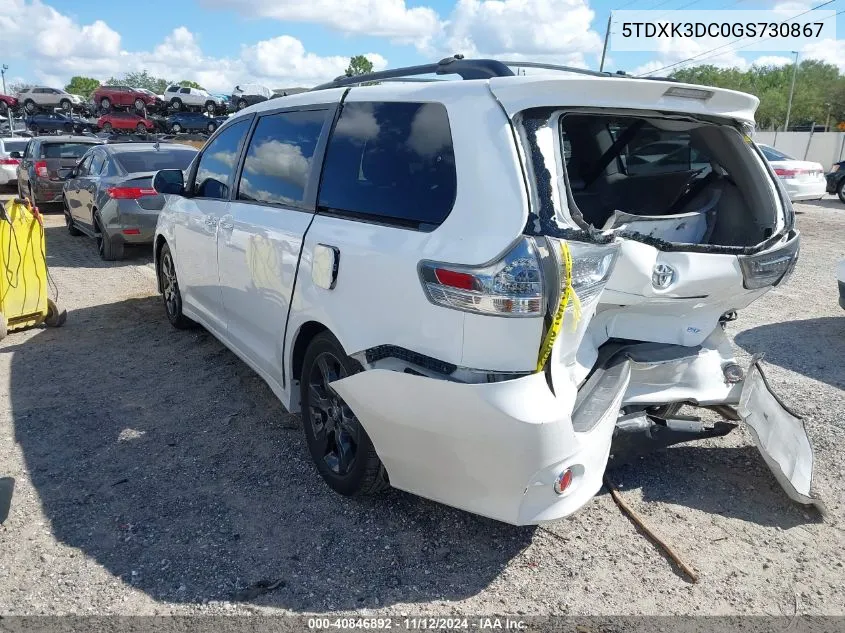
678 180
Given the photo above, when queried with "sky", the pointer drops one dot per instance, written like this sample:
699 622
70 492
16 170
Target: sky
288 43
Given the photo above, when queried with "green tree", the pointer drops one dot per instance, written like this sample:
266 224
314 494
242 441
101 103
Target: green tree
187 83
359 65
83 86
819 90
141 80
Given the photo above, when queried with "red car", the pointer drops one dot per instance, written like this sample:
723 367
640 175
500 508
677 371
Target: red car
7 103
122 96
125 121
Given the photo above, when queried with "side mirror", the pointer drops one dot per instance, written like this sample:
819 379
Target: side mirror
15 155
169 181
67 174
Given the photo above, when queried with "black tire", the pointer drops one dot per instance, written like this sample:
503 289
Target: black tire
176 128
141 128
4 108
29 106
840 190
139 104
33 128
210 107
71 227
105 104
55 317
211 127
109 250
107 127
176 104
342 451
242 104
169 284
65 105
68 128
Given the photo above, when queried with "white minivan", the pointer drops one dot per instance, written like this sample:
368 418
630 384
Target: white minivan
468 293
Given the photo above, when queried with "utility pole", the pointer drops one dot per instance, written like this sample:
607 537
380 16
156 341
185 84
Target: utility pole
827 123
3 70
606 37
791 91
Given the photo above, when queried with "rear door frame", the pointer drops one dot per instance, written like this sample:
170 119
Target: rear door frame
309 204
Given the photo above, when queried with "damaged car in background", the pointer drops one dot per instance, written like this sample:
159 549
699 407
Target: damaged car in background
480 290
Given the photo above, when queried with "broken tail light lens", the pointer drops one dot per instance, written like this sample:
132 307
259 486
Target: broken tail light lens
510 286
592 265
769 268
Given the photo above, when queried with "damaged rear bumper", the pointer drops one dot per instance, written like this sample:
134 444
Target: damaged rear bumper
494 449
497 449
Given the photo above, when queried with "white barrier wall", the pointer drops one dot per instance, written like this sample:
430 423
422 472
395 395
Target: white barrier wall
822 147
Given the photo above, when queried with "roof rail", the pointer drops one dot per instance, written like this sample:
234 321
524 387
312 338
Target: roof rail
569 69
455 65
466 69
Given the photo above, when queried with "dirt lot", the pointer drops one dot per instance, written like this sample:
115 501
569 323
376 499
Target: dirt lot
157 474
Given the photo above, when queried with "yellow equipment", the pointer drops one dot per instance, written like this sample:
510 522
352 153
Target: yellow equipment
23 270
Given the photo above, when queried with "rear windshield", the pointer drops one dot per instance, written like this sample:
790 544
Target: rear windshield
154 160
678 180
64 150
772 154
14 146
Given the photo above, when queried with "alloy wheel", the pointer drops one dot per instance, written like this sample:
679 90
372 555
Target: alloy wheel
335 426
170 285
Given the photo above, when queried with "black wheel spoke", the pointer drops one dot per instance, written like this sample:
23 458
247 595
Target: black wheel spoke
345 453
318 399
349 423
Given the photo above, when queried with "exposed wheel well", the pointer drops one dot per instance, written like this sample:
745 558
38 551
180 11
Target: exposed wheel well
306 334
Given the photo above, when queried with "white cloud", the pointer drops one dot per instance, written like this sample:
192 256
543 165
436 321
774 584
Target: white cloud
379 18
772 60
830 51
57 48
541 30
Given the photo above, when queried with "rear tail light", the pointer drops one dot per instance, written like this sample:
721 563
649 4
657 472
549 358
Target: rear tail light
789 173
10 161
770 268
129 193
510 286
41 168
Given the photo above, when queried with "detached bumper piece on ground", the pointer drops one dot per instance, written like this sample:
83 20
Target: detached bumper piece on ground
23 282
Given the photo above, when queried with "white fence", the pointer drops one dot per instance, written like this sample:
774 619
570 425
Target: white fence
822 147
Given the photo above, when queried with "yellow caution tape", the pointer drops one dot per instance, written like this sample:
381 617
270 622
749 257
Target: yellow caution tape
567 296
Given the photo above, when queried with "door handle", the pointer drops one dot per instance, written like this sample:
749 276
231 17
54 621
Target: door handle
227 222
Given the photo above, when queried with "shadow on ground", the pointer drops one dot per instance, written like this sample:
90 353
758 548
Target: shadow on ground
81 251
162 457
812 347
833 203
730 481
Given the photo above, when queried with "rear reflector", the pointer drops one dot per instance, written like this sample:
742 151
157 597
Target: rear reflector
131 231
129 193
454 279
563 481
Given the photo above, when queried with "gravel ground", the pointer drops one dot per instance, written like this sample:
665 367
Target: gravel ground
156 474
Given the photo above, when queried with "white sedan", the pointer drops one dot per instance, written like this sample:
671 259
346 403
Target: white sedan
802 179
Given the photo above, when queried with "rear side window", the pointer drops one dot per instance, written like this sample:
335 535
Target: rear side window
392 162
97 163
154 160
218 162
64 150
278 162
